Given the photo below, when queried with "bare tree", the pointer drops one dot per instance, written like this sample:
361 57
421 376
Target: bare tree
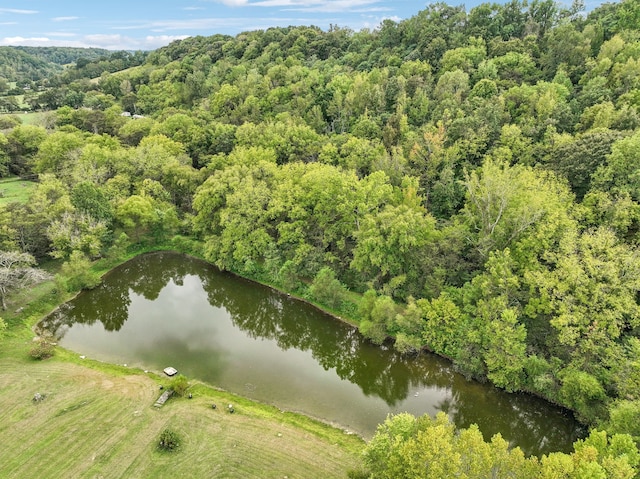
17 271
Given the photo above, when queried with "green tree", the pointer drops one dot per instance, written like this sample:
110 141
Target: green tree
506 351
142 214
23 144
57 153
588 297
87 198
327 289
405 446
578 158
392 245
621 171
378 320
510 205
132 132
77 232
582 393
444 325
179 385
76 273
4 157
624 418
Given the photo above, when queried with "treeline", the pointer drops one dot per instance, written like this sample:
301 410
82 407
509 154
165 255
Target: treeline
473 176
75 87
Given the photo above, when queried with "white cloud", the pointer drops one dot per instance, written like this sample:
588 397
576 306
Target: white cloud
18 11
305 5
8 23
109 42
190 9
377 21
153 42
121 42
27 42
234 3
64 19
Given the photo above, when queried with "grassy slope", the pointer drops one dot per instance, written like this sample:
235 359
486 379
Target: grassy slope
98 420
33 118
14 189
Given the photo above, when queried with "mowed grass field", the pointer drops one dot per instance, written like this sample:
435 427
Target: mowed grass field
15 189
32 118
98 421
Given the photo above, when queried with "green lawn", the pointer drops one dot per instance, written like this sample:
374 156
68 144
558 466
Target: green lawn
33 118
15 189
97 422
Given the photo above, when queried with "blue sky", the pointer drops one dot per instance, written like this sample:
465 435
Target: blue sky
150 24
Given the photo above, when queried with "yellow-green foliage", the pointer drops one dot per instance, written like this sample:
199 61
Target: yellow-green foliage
405 446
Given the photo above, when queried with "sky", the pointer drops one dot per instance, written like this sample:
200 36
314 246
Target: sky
150 24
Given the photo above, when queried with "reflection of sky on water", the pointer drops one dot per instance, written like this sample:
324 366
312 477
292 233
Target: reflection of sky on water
254 342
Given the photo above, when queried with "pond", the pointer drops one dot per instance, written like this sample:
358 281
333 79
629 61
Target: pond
166 309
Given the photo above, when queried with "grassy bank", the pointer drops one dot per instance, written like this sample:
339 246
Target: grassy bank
98 420
15 189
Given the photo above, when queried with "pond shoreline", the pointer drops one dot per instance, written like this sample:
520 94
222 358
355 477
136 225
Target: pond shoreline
292 303
389 340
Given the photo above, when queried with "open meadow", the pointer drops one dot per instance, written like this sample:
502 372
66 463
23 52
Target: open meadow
15 189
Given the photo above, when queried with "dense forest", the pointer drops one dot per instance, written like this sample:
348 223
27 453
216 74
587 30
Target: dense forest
466 183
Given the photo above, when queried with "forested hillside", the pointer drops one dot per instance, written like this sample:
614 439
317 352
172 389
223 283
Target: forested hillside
26 64
36 78
17 65
473 175
65 55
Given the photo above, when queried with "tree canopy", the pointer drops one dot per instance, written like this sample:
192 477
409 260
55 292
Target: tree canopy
466 183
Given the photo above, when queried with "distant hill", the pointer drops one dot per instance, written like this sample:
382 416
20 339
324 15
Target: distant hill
24 64
65 55
17 65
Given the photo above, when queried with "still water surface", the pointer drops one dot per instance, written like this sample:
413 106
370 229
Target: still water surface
165 309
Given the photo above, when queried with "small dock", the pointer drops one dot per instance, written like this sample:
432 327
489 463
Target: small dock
163 398
170 371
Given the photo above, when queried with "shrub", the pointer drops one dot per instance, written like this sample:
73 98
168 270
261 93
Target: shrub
76 273
169 440
327 289
43 347
179 385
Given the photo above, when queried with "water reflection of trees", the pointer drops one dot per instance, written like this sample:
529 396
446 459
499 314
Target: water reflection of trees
109 302
531 423
263 314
